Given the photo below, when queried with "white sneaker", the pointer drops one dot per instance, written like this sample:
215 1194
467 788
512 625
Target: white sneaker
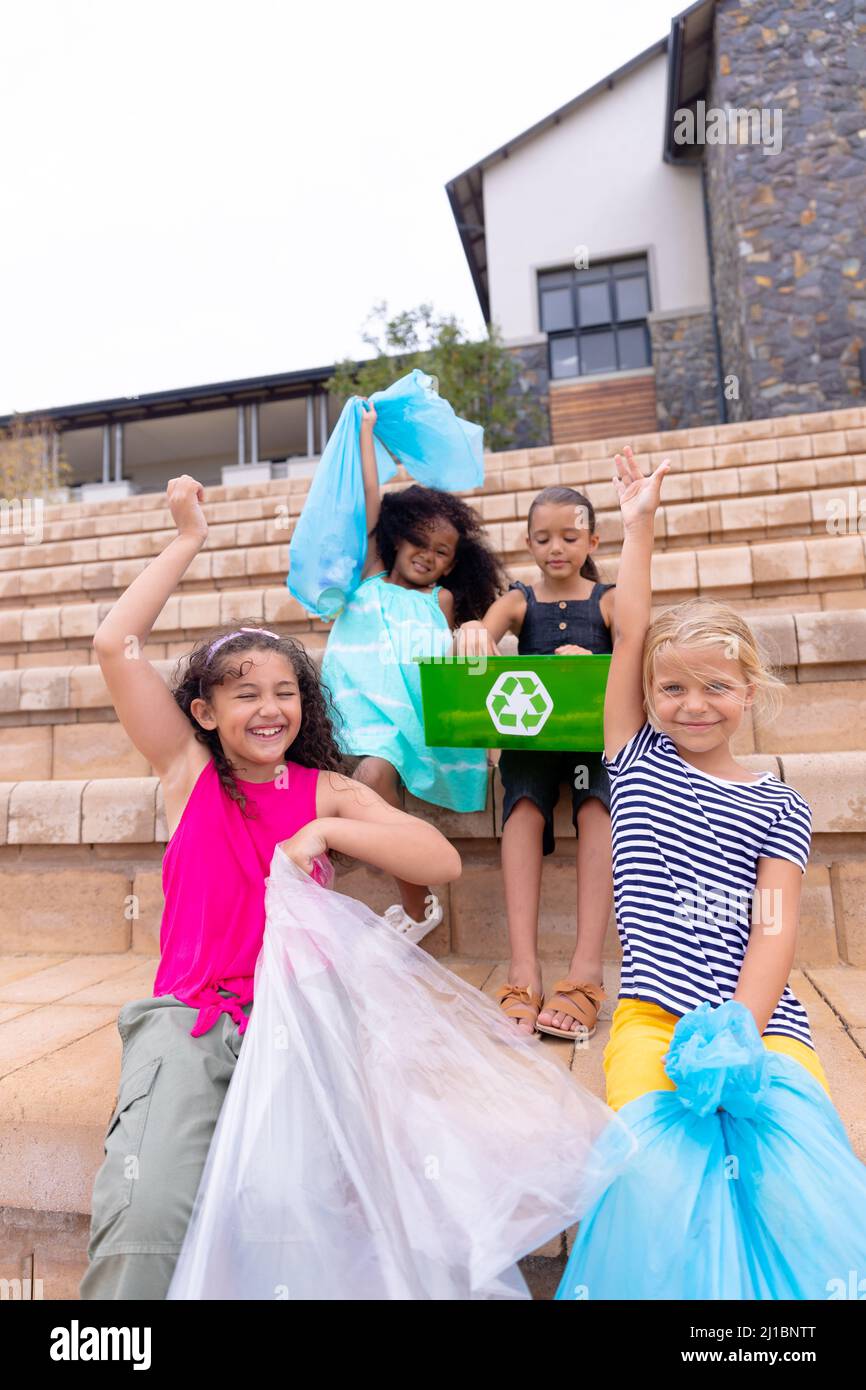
399 919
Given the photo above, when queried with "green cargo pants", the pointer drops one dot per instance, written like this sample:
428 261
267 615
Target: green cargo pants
172 1087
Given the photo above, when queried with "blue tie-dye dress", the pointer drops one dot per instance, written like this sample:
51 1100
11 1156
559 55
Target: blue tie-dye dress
369 668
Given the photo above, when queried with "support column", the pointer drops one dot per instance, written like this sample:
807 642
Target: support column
55 460
118 453
242 436
311 428
323 421
106 454
254 432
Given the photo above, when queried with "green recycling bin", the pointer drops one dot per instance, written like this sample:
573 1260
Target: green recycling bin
544 702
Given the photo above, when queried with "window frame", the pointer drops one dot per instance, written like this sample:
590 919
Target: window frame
606 273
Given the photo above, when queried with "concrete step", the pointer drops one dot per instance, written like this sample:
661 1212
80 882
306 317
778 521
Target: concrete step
826 521
787 575
60 1067
792 438
88 742
725 510
81 862
53 674
505 496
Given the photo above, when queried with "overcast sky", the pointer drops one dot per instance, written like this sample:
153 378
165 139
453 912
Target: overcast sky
195 191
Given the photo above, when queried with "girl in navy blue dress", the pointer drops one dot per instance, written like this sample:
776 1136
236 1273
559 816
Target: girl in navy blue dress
567 612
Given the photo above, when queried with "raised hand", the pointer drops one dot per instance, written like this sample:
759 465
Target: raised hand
185 496
638 495
368 413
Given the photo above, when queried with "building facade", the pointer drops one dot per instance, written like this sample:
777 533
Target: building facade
683 243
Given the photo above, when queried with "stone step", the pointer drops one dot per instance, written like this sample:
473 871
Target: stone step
824 435
505 496
41 744
828 571
807 642
801 497
81 862
233 556
60 1056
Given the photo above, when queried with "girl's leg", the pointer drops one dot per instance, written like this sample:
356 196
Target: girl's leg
172 1087
382 776
594 899
521 873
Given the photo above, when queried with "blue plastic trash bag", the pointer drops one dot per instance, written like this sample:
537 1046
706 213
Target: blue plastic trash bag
416 425
744 1185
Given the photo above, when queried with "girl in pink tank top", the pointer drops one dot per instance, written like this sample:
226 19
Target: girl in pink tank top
245 752
367 1067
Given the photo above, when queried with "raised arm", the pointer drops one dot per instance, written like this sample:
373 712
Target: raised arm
145 706
638 499
372 491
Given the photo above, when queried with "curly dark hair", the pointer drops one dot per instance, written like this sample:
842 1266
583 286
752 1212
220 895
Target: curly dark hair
477 577
195 678
568 497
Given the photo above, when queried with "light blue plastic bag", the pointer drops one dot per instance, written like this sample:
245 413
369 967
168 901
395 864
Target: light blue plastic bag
329 545
744 1186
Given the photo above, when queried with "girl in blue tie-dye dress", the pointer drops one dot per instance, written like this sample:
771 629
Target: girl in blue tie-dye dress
428 569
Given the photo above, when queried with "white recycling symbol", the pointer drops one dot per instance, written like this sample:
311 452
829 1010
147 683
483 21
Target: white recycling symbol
519 703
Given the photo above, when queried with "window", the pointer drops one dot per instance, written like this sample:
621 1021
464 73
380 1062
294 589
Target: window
595 319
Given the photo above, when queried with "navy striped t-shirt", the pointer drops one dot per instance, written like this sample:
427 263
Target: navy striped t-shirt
686 846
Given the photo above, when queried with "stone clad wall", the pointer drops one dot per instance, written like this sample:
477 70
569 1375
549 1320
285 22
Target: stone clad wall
789 230
684 357
531 386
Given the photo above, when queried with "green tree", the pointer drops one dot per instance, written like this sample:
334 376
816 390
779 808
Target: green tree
479 378
32 462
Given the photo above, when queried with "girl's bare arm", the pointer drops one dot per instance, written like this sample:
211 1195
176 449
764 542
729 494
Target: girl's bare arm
638 498
505 614
145 706
372 491
772 941
354 820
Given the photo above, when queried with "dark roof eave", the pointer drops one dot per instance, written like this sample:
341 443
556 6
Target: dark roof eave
699 15
481 288
155 404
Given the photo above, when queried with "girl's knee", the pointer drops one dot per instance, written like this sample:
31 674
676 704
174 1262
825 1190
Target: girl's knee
377 773
593 808
373 770
526 810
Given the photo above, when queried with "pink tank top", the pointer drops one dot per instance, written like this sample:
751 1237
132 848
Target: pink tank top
213 878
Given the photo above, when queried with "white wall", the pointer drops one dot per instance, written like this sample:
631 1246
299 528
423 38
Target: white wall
597 179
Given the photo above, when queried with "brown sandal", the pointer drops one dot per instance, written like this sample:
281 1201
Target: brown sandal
584 1008
516 1002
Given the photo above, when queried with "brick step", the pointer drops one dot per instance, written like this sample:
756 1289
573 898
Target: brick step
61 635
248 551
505 495
60 1067
822 435
39 745
82 865
752 570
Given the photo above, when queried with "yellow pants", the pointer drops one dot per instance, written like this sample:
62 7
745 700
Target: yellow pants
639 1038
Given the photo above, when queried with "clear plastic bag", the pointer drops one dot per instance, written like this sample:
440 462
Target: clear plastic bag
387 1133
415 424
